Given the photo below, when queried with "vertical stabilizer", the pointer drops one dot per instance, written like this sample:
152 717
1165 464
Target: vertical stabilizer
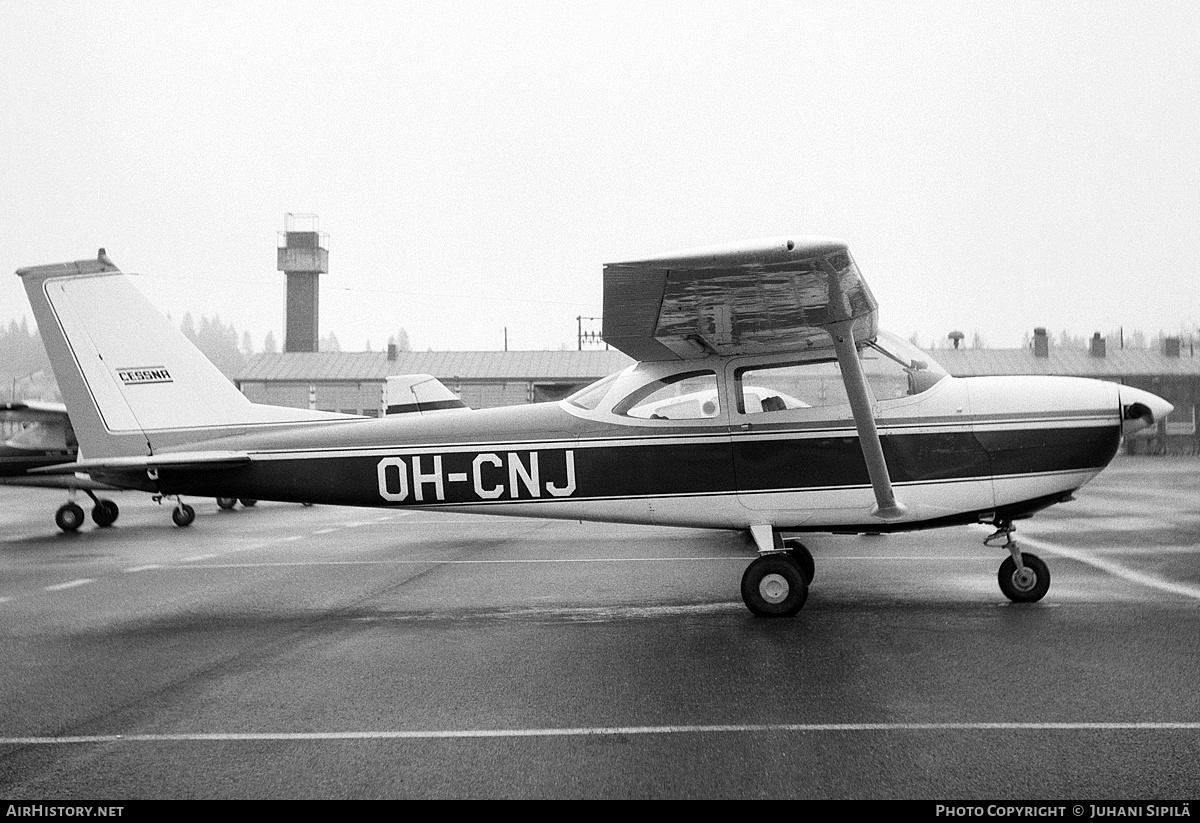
132 382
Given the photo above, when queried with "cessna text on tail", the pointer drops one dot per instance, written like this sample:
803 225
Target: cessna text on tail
765 399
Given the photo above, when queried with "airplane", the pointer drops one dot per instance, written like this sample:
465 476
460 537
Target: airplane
45 438
878 438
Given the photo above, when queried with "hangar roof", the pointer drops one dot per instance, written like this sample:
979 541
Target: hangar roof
1065 362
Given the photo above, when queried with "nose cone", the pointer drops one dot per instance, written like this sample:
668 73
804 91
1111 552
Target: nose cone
1141 409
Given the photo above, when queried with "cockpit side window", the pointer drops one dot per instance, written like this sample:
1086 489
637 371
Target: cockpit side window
789 386
687 396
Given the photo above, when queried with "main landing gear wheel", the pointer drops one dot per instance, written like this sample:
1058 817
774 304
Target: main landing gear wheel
1026 585
183 515
226 502
69 517
105 513
774 585
802 556
247 502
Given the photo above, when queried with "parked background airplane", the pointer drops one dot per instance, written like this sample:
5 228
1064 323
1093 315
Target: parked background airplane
45 438
877 438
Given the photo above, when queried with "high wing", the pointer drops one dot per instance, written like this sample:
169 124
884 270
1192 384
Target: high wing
33 411
779 294
754 297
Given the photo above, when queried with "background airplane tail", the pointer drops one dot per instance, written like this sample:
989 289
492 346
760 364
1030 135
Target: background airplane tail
131 380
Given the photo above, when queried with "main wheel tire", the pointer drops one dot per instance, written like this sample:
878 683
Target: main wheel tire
774 586
247 502
804 557
105 513
69 517
183 515
1027 585
226 502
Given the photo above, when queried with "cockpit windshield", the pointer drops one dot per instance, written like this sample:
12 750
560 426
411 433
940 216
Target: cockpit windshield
912 370
589 396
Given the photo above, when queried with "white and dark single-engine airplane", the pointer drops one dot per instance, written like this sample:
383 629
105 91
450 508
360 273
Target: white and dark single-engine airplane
765 399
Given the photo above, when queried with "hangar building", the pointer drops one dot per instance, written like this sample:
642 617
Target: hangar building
354 382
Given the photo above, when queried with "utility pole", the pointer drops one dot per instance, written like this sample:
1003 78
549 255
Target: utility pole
588 336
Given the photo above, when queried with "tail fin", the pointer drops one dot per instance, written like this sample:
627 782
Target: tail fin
132 382
420 393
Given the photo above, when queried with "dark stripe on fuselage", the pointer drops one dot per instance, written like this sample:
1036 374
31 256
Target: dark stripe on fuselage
682 466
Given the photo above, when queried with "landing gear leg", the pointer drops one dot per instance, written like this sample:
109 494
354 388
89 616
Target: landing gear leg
1023 577
182 514
776 583
105 512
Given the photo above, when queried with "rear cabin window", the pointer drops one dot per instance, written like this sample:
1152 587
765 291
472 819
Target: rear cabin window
688 396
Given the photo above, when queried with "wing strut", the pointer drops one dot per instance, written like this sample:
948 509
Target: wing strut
887 507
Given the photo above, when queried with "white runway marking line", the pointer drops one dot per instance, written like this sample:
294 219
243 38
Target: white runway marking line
327 531
1112 568
70 585
600 731
434 561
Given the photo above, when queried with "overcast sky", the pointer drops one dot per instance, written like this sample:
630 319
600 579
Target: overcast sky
994 166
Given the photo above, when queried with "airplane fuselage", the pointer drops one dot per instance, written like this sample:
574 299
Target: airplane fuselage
965 450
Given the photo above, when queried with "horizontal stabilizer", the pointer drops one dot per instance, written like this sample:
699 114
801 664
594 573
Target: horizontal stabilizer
33 411
57 481
178 460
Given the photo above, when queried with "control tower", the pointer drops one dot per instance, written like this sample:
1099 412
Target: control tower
303 256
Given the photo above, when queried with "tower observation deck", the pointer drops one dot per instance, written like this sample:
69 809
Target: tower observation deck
303 255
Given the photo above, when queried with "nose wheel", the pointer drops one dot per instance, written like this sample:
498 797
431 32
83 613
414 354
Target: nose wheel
183 514
1027 584
1023 577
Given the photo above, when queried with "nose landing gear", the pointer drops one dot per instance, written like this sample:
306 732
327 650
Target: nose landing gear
1023 577
183 514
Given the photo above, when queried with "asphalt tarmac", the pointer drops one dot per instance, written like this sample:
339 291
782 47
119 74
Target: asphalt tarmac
290 652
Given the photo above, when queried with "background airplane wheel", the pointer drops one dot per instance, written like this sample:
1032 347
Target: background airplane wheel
183 515
804 557
246 502
226 502
1027 586
774 586
69 517
105 513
